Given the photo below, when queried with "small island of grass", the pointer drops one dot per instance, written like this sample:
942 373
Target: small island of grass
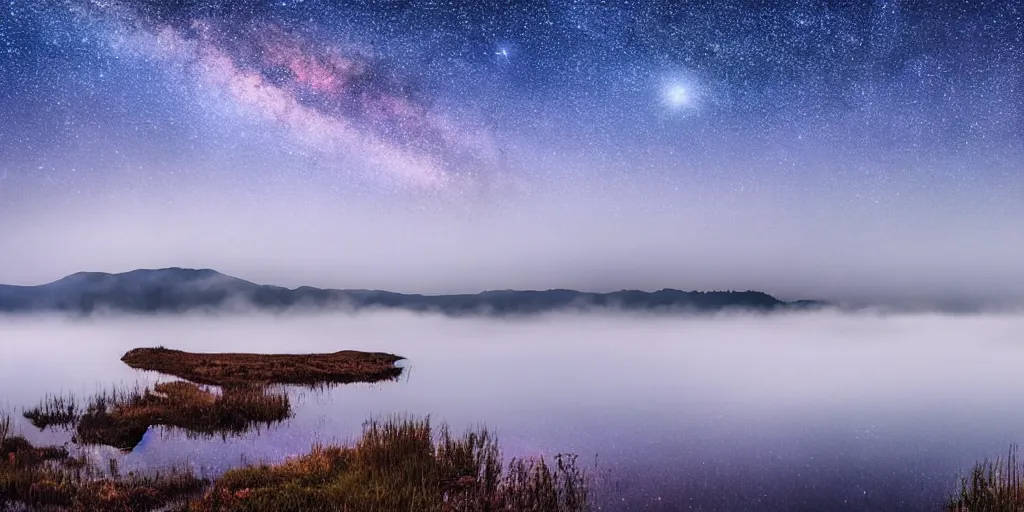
120 418
230 369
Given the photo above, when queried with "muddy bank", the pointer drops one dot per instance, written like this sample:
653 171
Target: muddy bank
230 369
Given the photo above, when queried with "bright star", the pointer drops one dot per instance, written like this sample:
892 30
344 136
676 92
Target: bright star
678 96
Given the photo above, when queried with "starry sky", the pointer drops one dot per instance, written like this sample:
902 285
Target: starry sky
860 151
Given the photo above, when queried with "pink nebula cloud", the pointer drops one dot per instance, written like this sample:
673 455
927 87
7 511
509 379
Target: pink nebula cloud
332 101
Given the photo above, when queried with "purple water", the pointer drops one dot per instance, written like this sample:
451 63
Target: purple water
812 411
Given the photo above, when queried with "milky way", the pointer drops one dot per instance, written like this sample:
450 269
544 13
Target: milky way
331 98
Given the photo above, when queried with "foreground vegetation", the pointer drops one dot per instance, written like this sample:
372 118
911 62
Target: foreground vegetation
49 478
402 465
120 418
397 464
230 370
991 486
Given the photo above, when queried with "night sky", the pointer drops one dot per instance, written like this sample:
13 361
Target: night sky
862 151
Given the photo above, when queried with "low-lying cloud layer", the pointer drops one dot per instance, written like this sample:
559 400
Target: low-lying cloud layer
953 260
824 354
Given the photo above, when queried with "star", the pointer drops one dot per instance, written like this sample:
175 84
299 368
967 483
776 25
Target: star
678 96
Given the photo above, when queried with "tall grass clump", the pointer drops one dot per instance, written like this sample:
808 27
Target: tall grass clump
5 426
991 486
120 418
400 464
54 411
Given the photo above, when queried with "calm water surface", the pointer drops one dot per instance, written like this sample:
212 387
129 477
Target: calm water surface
818 411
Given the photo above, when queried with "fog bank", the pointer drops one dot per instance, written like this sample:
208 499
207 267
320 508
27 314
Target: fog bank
782 358
905 257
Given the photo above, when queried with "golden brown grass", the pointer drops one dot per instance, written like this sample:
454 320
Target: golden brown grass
398 465
259 369
120 419
49 478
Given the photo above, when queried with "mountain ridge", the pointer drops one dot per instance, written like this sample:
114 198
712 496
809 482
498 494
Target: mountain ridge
177 289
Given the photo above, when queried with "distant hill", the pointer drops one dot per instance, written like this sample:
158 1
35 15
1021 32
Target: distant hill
172 290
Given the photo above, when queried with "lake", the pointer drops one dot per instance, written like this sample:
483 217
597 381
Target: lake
802 411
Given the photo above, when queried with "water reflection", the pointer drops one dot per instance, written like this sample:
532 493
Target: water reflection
801 412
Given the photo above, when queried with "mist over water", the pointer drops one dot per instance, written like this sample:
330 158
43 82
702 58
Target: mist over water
802 411
955 259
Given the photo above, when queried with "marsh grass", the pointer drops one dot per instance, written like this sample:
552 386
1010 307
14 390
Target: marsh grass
54 411
49 478
5 426
398 465
120 418
991 486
